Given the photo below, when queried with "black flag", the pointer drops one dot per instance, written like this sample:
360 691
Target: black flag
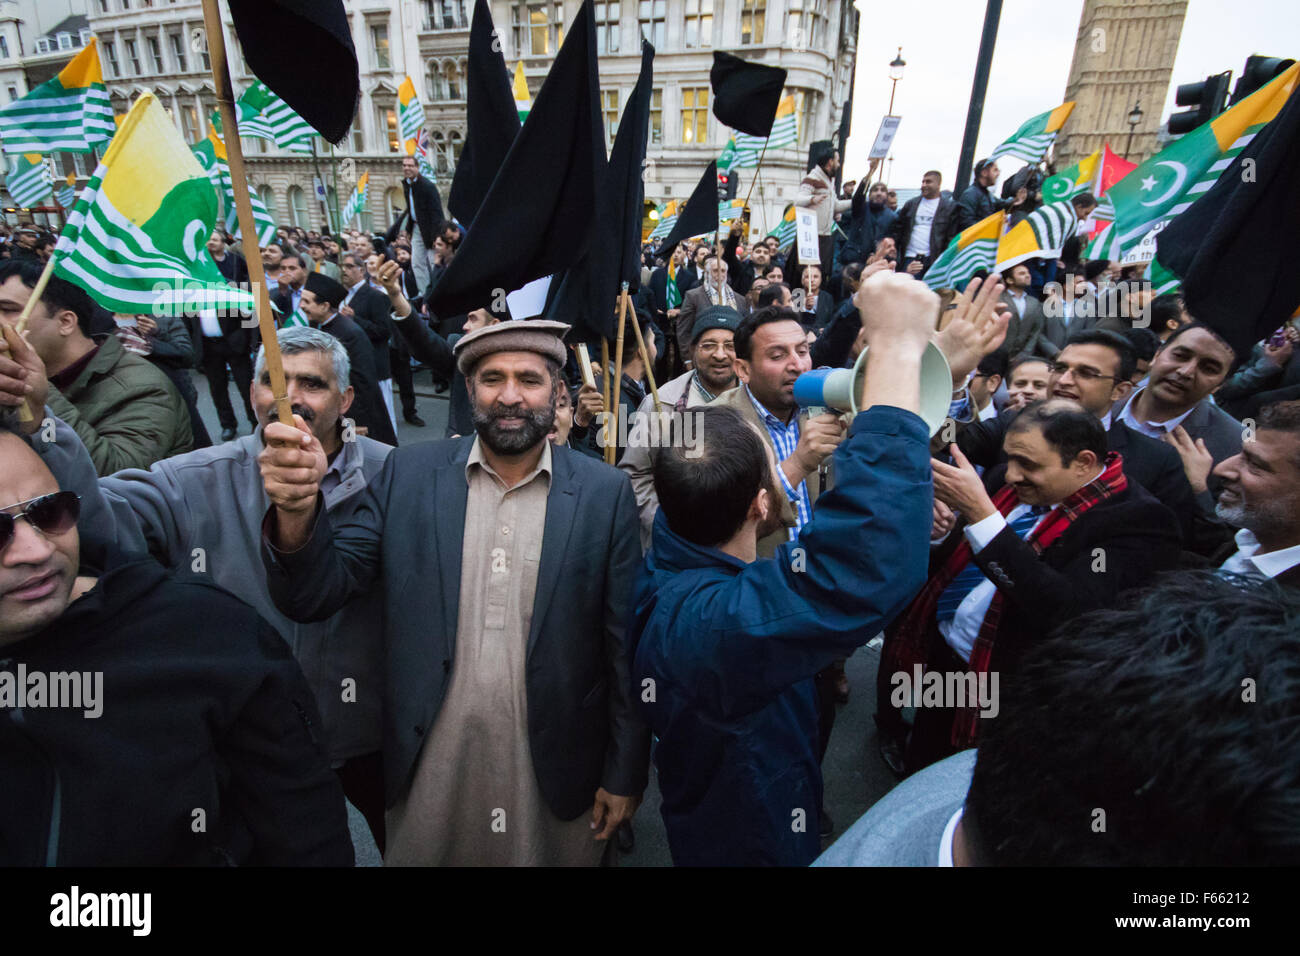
492 119
1246 225
302 50
745 95
587 292
537 215
700 214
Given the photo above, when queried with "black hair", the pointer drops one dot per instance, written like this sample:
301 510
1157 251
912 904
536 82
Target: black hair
302 260
772 294
1145 343
705 492
60 295
1021 359
1083 199
1113 341
1065 426
1189 326
1094 268
995 363
851 272
1147 714
1165 309
759 317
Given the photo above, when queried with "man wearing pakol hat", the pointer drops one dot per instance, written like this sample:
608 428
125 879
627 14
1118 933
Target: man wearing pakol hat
509 731
818 191
321 298
713 371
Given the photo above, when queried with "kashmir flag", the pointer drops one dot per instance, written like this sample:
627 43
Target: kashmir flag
730 210
296 318
785 132
672 293
268 112
28 180
135 239
1040 235
70 113
211 154
67 195
972 249
1171 180
1073 180
358 200
786 228
667 219
410 114
727 158
1031 141
421 148
523 102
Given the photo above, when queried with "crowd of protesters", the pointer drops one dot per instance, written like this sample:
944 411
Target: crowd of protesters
1086 581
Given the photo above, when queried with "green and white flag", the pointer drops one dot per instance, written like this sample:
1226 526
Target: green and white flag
287 128
1040 235
971 250
211 154
785 132
667 219
1031 141
297 318
66 195
785 230
357 201
410 114
135 239
28 180
729 210
727 158
71 113
1171 180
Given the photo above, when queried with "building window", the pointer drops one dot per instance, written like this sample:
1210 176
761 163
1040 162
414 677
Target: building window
379 45
651 15
132 56
752 15
656 117
358 135
454 91
699 23
4 47
298 207
609 110
537 28
13 93
607 26
439 154
103 6
267 196
445 15
155 54
437 88
65 41
454 145
695 114
177 43
388 127
190 123
395 202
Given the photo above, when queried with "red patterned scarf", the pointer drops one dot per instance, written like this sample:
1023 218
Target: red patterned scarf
906 644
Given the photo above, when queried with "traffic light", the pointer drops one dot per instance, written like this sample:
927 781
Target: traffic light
1259 70
1208 97
726 186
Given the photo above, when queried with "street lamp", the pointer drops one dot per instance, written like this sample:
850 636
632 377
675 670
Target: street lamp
1134 118
895 74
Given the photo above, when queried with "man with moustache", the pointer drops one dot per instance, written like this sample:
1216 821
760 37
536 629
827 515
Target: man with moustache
505 566
203 512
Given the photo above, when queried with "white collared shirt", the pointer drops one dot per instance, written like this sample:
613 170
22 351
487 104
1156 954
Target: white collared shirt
1019 302
347 300
1247 557
949 833
987 413
1150 429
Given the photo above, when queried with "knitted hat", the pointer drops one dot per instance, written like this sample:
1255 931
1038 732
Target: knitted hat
715 317
535 335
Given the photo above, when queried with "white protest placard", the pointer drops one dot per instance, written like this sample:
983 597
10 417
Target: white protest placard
1144 251
806 234
885 137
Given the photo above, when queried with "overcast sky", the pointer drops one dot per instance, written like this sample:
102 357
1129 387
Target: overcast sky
1031 62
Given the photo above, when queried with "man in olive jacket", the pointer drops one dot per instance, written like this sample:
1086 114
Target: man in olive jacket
125 411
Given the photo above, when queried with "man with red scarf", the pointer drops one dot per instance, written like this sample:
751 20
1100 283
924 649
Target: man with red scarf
1064 534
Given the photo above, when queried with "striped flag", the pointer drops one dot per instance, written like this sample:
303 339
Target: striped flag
667 219
1072 180
1031 141
785 132
135 238
727 158
785 229
296 318
1040 235
269 112
972 249
673 294
67 194
729 210
410 114
70 113
357 202
1171 180
523 102
211 154
28 180
422 149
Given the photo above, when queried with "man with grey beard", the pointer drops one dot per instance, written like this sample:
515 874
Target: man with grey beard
505 565
1261 496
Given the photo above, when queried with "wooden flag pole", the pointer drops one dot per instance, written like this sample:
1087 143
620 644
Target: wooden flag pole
244 207
612 408
605 393
626 303
24 413
757 169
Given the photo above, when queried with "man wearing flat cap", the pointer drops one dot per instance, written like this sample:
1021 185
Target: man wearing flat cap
510 736
321 298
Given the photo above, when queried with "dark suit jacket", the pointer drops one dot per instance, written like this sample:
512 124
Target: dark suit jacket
368 406
1221 432
583 729
424 205
1137 537
941 230
693 303
370 309
819 318
1025 333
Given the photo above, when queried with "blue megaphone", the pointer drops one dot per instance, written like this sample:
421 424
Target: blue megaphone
839 388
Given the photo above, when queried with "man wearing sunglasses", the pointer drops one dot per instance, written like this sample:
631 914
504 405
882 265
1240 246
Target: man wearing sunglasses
200 746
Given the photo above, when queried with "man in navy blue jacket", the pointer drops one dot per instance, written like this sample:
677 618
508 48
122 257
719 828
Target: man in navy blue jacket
727 645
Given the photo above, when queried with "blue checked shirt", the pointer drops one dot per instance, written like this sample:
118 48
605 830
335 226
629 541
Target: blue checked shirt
784 439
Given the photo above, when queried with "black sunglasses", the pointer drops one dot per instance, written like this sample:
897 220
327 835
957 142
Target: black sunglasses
48 514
